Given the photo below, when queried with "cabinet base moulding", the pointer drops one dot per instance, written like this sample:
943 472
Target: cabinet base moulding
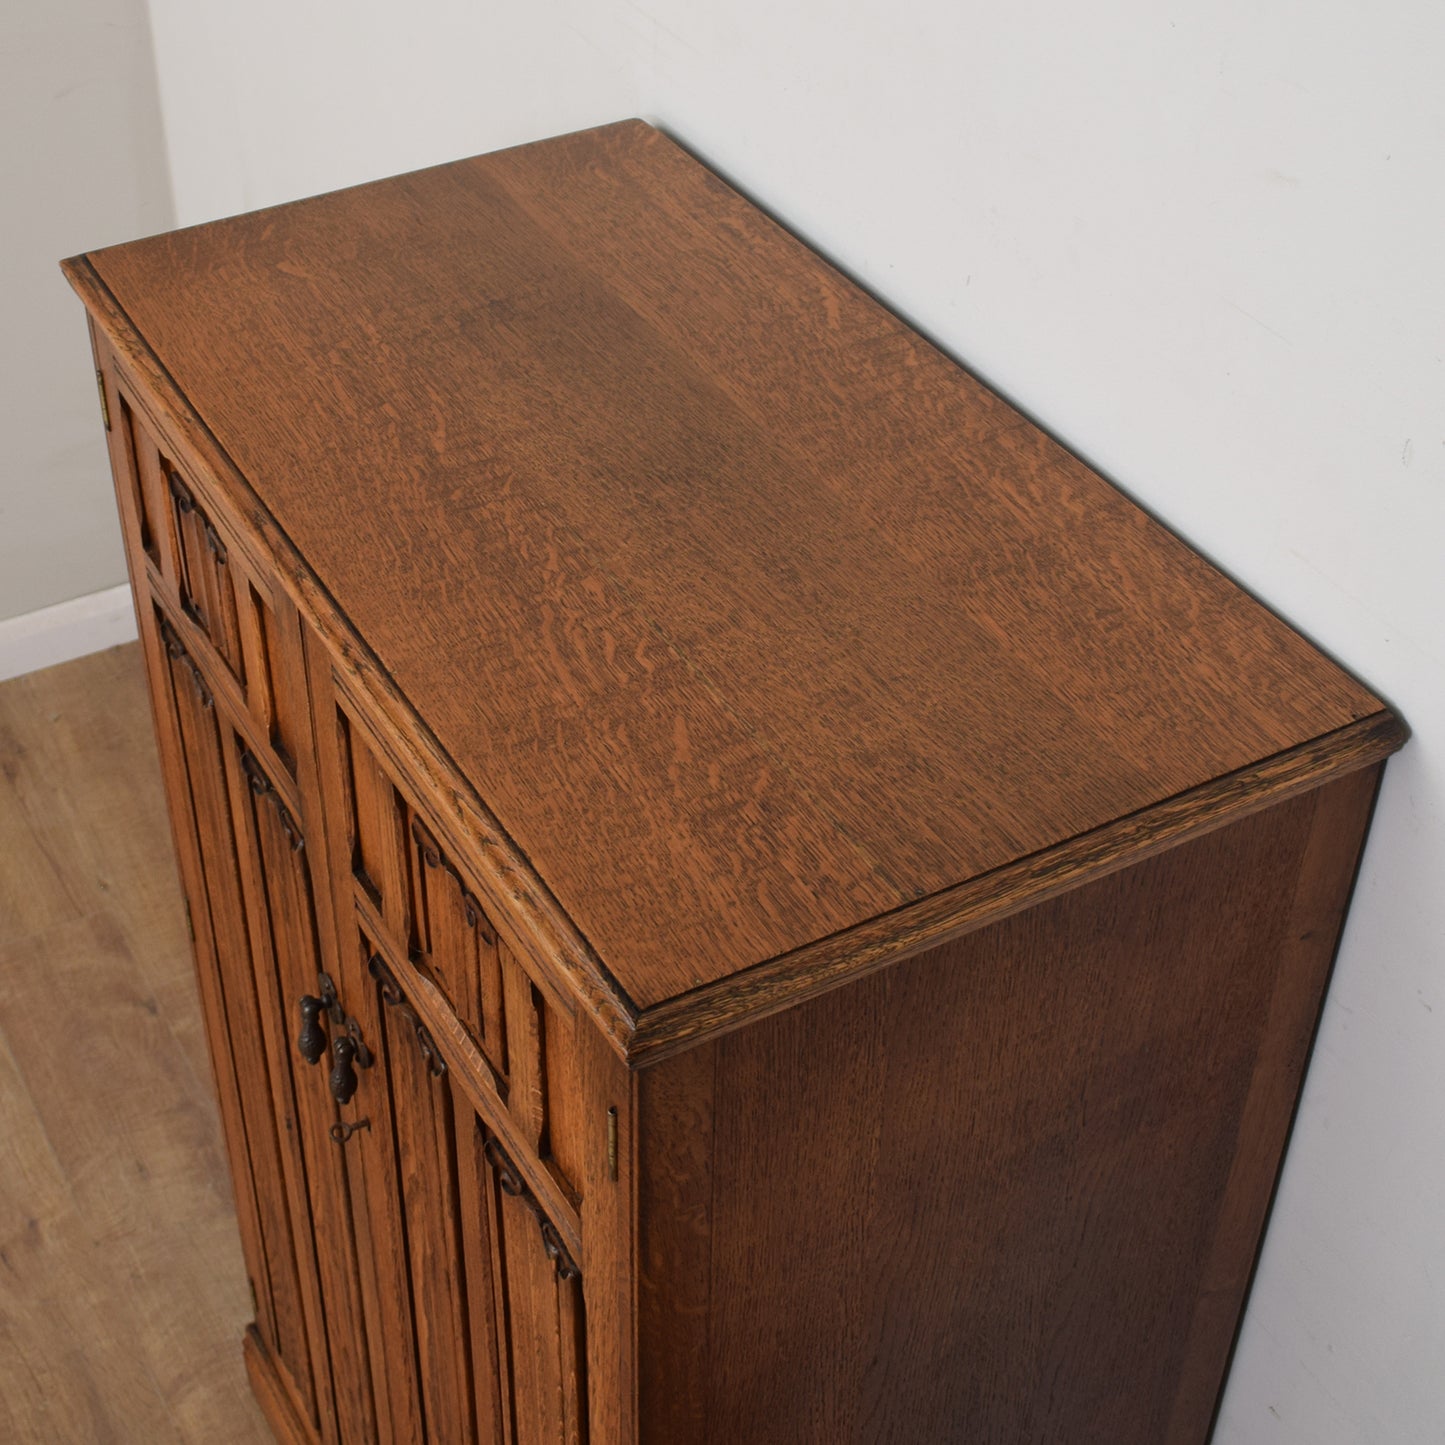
271 1395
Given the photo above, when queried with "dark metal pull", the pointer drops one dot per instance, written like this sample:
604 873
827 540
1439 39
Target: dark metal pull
340 1133
343 1069
312 1042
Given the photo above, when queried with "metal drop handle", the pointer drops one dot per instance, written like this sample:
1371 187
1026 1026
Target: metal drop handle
348 1049
343 1069
311 1042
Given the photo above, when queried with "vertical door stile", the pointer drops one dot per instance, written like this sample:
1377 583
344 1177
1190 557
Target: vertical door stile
607 1091
532 1326
384 1268
306 905
572 1338
263 870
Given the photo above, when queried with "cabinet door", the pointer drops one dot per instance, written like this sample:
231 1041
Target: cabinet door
287 1308
253 916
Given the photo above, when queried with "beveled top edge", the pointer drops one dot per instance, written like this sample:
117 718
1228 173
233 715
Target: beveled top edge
693 1018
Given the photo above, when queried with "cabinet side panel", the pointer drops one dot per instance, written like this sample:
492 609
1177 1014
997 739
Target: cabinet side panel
1008 1190
1316 918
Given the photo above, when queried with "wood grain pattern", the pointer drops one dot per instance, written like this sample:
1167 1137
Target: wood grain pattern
520 901
1018 1192
585 411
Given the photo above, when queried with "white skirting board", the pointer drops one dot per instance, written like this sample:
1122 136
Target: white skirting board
69 629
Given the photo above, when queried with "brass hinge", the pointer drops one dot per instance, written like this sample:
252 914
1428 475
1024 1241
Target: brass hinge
104 404
190 923
612 1142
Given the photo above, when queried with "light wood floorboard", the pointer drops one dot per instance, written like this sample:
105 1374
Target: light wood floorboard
122 1294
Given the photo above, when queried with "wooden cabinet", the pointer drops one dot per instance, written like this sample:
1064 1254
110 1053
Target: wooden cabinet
740 893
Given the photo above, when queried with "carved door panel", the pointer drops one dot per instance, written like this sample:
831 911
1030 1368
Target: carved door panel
426 1207
195 744
542 1351
476 1303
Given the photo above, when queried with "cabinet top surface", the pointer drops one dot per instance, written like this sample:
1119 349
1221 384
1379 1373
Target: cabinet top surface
750 615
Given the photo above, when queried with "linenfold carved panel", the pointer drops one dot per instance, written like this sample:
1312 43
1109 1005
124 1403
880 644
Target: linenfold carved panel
431 915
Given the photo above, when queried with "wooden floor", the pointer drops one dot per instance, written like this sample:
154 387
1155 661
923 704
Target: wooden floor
122 1295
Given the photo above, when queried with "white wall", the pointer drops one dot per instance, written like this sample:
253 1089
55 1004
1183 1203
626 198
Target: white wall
81 165
1204 245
